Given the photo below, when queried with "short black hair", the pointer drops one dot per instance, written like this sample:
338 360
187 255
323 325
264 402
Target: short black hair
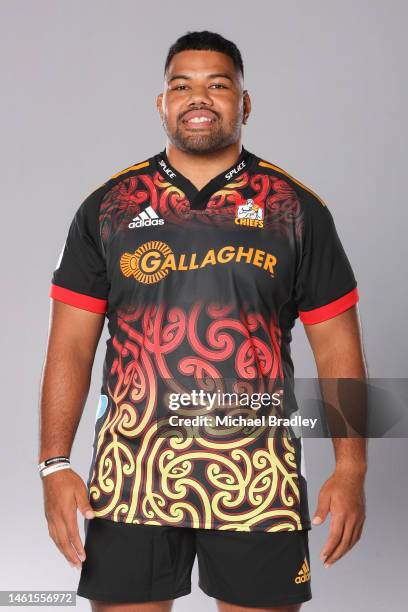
205 41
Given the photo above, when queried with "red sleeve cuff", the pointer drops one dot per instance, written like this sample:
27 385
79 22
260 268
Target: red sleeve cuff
317 315
80 300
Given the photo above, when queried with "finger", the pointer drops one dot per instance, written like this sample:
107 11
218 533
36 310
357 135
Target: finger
52 530
358 529
74 537
63 543
358 525
342 547
335 534
323 507
84 506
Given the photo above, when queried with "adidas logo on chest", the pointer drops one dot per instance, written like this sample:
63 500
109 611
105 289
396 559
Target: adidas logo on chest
146 218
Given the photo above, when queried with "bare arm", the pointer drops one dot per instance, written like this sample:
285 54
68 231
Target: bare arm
73 338
338 351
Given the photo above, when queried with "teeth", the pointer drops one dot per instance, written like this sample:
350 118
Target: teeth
198 119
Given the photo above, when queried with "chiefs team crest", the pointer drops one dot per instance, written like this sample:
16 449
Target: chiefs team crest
249 213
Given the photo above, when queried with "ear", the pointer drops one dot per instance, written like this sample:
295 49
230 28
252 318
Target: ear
159 101
247 106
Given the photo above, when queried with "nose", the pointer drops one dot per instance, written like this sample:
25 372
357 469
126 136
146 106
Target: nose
199 95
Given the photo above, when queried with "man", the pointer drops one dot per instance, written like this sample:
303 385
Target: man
201 257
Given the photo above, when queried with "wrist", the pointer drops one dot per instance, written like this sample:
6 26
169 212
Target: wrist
47 454
53 464
352 469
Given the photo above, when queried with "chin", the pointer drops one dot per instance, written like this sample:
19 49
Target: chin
201 144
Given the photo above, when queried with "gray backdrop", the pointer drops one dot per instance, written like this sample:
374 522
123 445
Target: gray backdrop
328 88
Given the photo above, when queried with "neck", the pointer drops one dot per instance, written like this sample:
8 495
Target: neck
200 168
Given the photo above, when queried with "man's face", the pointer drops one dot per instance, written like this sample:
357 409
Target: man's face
203 103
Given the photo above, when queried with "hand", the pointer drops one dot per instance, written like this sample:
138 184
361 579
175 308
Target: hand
343 496
64 492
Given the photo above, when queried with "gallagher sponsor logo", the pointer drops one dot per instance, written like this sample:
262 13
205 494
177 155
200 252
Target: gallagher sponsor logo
153 260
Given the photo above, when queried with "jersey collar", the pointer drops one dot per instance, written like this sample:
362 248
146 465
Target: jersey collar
199 198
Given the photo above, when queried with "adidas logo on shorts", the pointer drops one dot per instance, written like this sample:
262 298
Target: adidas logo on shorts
304 573
146 218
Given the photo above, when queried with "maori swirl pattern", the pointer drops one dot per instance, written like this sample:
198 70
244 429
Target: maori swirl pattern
242 482
124 201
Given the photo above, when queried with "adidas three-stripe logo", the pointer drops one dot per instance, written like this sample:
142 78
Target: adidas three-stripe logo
147 217
303 573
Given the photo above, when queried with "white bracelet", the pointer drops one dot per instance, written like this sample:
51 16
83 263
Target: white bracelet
47 462
54 468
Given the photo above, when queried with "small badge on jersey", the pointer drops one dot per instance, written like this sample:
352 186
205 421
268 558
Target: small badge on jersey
249 213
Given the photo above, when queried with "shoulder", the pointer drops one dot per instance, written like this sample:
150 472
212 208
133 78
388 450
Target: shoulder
137 168
141 167
94 199
307 196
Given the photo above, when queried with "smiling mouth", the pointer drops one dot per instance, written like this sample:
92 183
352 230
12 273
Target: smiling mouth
199 120
196 119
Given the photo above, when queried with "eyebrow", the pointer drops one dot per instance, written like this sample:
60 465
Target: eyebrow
210 76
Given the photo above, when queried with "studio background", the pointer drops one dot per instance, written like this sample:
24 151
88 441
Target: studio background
79 82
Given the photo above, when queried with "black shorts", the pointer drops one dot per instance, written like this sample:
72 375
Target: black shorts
126 562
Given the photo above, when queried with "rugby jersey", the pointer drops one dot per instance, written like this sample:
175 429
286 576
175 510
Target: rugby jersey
201 289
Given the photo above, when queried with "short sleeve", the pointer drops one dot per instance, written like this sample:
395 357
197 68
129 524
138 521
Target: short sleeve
325 281
80 278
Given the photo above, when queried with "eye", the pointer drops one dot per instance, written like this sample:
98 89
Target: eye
219 85
179 87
